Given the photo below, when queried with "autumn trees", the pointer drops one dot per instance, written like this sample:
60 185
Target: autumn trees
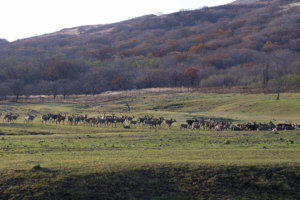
191 77
234 45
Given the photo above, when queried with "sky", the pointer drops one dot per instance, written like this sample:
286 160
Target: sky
26 18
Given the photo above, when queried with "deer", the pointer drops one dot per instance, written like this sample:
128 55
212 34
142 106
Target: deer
189 122
185 126
45 118
196 125
29 118
169 122
11 117
130 118
61 118
132 122
120 120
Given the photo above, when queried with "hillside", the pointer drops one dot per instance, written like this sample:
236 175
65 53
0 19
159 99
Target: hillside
247 43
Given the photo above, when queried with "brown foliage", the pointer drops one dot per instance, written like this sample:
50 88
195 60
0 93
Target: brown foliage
191 76
197 48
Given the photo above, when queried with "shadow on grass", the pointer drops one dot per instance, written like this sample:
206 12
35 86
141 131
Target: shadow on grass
168 182
13 124
24 132
42 169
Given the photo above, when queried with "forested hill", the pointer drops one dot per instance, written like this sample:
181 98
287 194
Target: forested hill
252 43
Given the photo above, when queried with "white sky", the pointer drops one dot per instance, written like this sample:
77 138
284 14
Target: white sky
26 18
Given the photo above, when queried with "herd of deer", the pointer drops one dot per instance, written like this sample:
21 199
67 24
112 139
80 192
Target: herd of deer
220 125
128 122
104 120
206 124
107 120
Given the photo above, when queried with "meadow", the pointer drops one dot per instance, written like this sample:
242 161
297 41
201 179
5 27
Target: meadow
82 162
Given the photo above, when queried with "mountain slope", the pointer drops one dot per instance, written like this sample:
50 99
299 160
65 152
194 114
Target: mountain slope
248 2
224 45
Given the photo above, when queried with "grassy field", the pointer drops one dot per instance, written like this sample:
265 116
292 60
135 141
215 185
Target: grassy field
79 162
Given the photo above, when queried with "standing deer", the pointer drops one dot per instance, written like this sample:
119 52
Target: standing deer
169 122
46 118
29 118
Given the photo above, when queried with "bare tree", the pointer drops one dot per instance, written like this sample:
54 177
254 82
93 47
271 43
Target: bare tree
265 73
280 62
176 79
95 81
65 87
50 88
54 86
16 87
4 90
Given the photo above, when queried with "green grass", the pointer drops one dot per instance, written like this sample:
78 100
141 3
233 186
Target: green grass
80 162
57 147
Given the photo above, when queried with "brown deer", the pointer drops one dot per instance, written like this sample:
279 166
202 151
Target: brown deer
169 122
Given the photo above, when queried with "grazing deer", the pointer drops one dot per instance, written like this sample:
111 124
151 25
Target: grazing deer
90 121
148 122
111 121
191 121
185 126
196 125
133 123
158 121
29 118
120 121
101 121
129 118
140 120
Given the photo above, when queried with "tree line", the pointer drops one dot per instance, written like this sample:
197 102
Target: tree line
62 77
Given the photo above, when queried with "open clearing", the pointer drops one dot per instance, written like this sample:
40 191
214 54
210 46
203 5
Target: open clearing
81 162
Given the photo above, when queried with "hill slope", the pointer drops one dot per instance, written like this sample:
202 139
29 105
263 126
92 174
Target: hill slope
247 43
